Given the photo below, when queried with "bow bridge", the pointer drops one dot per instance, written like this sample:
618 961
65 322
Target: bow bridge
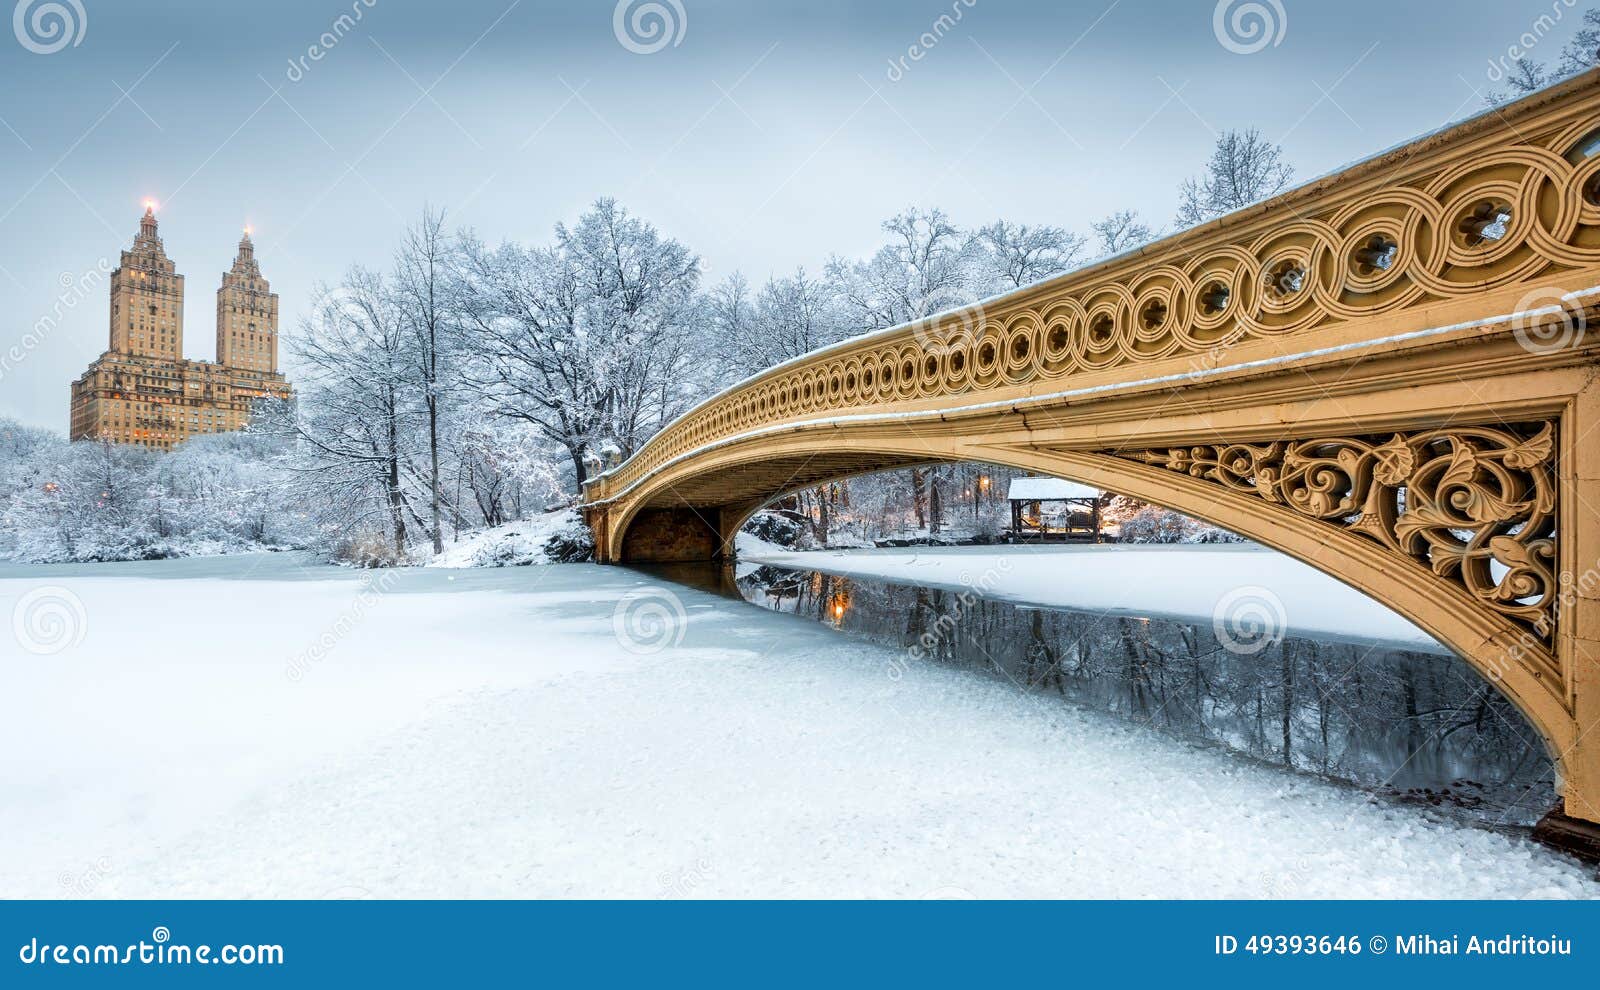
1388 373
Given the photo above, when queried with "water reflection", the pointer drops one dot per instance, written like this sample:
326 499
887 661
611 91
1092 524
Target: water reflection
1417 727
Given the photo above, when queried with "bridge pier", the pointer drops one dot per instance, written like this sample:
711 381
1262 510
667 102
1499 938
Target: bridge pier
678 535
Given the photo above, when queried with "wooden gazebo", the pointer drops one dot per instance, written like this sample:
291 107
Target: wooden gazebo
1047 509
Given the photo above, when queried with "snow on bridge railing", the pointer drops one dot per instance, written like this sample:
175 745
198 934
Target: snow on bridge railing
1501 210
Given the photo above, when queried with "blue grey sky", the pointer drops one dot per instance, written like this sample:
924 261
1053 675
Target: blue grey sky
763 135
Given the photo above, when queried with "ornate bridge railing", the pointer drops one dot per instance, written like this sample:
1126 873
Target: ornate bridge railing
1489 216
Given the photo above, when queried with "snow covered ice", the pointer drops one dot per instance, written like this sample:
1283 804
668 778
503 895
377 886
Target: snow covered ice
488 733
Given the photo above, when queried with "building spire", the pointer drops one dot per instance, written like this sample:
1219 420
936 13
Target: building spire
244 263
147 223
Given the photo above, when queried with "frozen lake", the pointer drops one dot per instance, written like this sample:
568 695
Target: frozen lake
263 727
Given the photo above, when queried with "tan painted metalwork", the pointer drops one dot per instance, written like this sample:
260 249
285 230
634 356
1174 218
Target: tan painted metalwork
1389 373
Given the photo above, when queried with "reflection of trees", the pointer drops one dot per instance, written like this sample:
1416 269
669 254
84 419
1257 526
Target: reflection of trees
1384 718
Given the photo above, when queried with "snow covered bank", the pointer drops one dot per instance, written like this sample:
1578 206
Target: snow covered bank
1185 583
551 538
296 730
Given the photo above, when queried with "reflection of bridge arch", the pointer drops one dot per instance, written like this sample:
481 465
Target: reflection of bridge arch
1387 373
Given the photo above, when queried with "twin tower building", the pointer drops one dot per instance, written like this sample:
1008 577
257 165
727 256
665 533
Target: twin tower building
142 390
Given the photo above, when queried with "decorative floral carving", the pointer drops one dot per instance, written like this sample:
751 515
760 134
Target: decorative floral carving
1477 504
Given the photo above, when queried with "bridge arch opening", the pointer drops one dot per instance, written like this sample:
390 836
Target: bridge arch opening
696 516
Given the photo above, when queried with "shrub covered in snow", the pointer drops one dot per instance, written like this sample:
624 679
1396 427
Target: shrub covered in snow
779 528
1153 524
62 502
553 538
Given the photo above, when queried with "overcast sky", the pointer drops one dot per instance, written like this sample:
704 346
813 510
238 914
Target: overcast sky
762 135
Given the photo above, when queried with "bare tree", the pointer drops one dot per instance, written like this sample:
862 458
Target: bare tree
1244 168
590 340
424 280
1120 231
1020 254
1582 51
788 318
355 418
1524 77
926 267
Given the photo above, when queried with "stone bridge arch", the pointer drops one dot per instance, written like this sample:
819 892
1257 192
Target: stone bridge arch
1392 374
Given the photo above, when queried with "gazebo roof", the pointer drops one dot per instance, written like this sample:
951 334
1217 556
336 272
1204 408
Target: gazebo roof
1048 490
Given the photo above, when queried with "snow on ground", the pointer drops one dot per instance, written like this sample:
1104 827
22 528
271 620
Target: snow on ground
1185 583
263 727
527 541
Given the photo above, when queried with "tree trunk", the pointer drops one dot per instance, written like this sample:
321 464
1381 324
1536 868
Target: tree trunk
433 453
578 471
1286 652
